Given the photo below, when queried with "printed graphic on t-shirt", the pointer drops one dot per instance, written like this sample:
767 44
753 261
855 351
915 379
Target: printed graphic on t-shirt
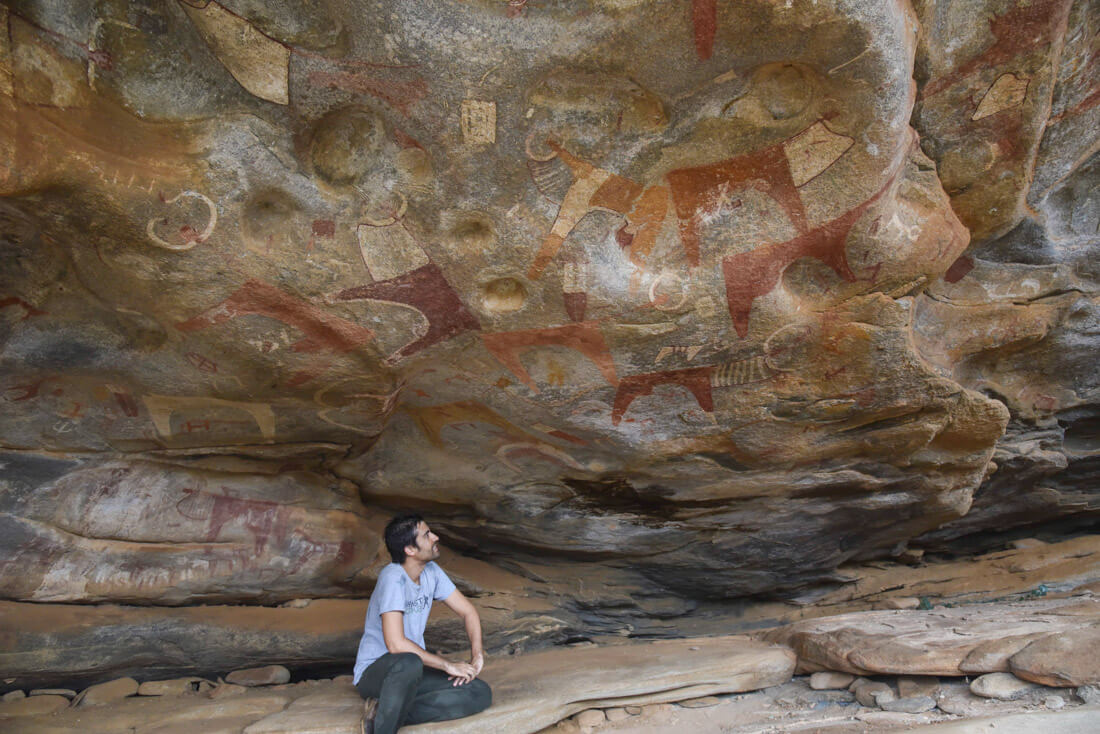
416 605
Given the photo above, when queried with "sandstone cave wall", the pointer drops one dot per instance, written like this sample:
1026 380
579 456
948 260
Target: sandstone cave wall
648 304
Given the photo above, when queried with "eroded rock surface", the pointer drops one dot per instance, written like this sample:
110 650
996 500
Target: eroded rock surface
651 305
1030 640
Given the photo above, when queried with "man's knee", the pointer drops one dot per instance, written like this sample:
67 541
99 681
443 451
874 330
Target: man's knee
480 695
407 666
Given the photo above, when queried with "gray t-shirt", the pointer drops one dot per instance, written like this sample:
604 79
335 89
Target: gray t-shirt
396 592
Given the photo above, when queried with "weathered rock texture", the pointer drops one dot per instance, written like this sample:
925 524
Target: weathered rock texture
1053 643
688 301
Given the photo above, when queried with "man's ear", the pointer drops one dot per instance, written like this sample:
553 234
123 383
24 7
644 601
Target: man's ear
411 552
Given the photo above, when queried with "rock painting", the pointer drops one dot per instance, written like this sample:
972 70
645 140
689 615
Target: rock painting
813 150
427 291
1008 91
401 95
755 273
704 20
505 454
259 63
574 284
1021 29
27 309
187 235
690 194
584 337
688 352
742 372
161 408
958 269
695 380
387 248
432 419
479 122
267 522
323 331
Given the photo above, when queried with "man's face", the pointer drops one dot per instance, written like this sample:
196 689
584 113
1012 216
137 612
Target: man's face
427 544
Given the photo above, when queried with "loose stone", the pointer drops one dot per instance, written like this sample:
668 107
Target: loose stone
114 690
911 705
874 694
66 692
591 718
829 680
918 685
269 675
1002 686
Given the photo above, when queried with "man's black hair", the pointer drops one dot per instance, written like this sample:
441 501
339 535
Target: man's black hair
400 532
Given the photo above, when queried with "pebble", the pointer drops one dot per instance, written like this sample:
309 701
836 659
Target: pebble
874 693
633 710
268 675
1002 686
830 680
1054 703
899 602
114 690
910 705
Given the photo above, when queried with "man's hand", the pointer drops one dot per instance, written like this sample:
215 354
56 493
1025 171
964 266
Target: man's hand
460 673
478 661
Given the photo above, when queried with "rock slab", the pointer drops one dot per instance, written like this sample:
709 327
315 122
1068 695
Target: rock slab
537 690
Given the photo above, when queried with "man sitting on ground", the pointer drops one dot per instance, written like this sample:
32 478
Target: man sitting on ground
411 685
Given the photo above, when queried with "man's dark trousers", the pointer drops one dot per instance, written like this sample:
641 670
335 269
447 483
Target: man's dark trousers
409 693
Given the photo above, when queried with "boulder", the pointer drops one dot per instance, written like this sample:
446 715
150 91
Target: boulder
1066 659
935 642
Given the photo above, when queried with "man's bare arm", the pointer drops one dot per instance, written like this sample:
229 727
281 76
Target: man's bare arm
461 606
393 631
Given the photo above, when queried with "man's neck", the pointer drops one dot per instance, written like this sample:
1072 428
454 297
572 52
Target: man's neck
413 569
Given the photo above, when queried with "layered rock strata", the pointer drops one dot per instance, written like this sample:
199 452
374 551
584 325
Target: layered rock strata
653 304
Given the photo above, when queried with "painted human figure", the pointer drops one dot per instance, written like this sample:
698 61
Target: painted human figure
410 684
